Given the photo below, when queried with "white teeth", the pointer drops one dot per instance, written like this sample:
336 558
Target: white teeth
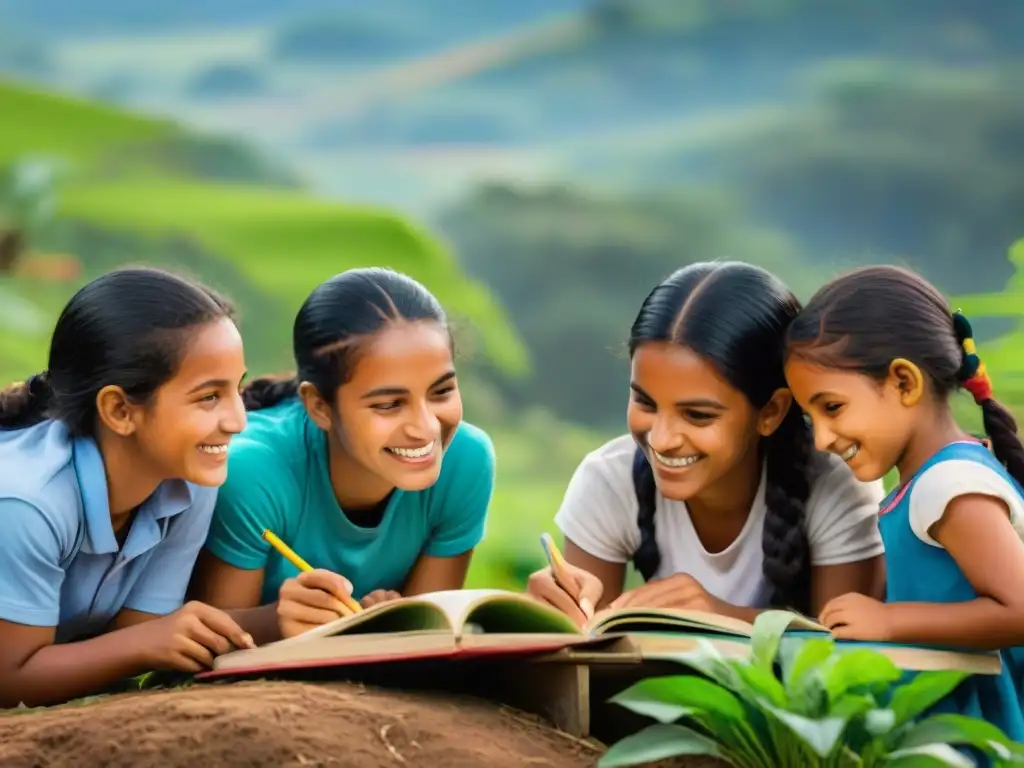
414 453
214 449
682 461
850 452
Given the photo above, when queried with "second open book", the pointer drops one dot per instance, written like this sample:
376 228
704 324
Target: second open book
475 622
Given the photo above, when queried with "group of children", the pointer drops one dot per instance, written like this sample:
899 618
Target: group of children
140 471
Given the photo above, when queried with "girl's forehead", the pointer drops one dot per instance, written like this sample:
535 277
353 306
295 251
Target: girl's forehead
671 371
403 351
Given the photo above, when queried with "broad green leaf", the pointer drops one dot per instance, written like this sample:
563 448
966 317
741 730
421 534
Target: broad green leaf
821 735
957 729
658 742
861 667
930 756
769 627
809 655
922 692
683 691
763 683
705 659
879 722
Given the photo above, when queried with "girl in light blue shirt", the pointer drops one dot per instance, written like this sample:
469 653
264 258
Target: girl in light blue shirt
109 466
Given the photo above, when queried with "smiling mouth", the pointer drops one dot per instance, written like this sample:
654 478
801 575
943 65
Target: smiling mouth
850 452
214 450
676 462
414 453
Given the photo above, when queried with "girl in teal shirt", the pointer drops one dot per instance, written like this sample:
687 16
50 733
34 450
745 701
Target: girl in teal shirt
361 463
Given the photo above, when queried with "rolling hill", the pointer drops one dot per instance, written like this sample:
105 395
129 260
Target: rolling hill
276 242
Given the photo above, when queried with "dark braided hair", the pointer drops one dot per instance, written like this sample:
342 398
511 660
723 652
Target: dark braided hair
867 318
332 323
735 315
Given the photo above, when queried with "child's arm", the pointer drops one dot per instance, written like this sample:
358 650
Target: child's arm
976 531
36 672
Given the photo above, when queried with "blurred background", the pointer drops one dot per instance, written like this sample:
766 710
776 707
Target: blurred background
538 164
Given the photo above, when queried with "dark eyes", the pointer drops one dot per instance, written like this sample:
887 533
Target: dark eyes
393 405
831 409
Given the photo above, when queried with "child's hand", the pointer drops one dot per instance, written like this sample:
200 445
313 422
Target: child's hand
583 585
680 591
854 616
379 596
310 600
188 639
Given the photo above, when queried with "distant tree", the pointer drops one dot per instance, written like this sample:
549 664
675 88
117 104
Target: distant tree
572 268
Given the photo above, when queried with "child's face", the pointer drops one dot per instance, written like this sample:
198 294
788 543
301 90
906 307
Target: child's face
865 422
694 428
401 407
185 430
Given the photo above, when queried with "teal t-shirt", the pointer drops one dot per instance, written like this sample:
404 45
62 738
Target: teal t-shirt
278 478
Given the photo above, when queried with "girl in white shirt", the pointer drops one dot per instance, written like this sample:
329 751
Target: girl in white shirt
717 495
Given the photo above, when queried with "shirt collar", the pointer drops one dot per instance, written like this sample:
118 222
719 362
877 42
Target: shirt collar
171 497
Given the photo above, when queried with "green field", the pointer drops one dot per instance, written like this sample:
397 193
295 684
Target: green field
274 245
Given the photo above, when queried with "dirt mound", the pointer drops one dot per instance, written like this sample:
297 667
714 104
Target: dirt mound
284 724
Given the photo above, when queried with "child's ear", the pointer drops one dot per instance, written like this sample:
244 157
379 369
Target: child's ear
907 379
774 411
319 410
116 411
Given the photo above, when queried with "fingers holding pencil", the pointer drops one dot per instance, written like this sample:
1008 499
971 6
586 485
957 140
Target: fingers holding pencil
311 599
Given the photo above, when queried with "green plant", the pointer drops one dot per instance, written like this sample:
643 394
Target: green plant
828 707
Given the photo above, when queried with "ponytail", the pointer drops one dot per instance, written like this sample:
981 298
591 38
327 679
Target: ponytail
267 392
647 557
1000 426
784 541
26 403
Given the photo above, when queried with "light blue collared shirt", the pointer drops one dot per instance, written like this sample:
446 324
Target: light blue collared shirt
60 564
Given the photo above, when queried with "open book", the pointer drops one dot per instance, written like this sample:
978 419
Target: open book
488 622
474 621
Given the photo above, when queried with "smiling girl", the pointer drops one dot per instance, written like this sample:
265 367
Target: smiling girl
716 494
361 463
874 359
110 464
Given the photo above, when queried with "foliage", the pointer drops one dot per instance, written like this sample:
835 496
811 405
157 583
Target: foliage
573 268
828 707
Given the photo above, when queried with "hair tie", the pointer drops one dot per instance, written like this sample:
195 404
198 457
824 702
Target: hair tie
972 375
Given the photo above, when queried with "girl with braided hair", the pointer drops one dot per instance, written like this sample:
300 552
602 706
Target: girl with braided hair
716 495
873 359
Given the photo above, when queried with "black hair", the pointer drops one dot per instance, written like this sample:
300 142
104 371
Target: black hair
128 328
339 313
865 319
734 316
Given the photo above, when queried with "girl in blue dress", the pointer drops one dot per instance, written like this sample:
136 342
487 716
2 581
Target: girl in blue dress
874 359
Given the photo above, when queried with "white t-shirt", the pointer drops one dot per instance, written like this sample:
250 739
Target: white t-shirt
941 483
599 512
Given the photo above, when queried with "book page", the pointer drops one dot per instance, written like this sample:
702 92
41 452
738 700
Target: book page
669 619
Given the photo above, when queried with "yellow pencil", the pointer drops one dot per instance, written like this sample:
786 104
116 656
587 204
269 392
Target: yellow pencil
289 554
557 563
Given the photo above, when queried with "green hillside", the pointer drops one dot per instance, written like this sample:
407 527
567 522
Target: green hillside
276 244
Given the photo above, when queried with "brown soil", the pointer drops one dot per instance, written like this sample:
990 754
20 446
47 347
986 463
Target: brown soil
285 724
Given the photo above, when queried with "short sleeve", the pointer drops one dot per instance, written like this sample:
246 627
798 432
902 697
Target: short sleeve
31 573
160 588
250 501
938 485
842 516
598 511
469 466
